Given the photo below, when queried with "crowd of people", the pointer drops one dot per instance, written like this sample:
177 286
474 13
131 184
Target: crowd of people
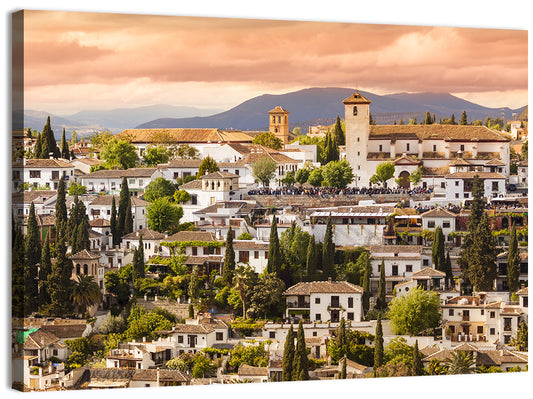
326 192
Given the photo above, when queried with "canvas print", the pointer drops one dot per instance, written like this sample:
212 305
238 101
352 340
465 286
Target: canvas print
205 200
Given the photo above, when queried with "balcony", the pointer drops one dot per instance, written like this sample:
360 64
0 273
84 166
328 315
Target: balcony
298 305
461 337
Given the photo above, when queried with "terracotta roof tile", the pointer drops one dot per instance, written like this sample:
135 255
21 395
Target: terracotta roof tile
183 135
436 132
307 288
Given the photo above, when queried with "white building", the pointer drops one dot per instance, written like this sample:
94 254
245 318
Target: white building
150 239
459 185
110 181
100 208
440 217
45 172
217 218
88 264
324 301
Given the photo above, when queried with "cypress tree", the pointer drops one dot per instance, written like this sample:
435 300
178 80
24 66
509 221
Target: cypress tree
300 368
338 134
378 346
437 250
128 223
274 251
61 211
59 281
341 339
17 274
342 374
38 149
49 145
311 260
32 250
122 209
428 120
366 290
328 250
44 272
482 262
448 271
381 302
229 260
288 355
417 366
82 235
113 221
452 120
513 261
464 120
138 260
65 152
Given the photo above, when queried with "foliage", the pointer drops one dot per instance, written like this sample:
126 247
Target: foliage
331 149
164 215
32 258
119 154
245 236
155 155
513 261
202 366
244 281
294 244
328 250
76 189
461 362
268 139
229 259
338 133
85 293
117 284
393 370
381 301
252 355
378 346
300 364
275 259
264 170
302 175
112 324
267 296
416 176
337 174
144 324
417 368
397 351
315 177
208 165
352 346
181 196
289 179
288 355
437 250
384 172
520 341
418 311
159 188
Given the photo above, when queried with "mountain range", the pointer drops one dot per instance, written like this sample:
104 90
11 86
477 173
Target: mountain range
307 107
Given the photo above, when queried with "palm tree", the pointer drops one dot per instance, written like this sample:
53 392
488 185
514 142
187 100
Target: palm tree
85 293
461 362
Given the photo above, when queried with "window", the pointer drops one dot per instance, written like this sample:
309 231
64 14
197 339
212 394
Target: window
450 312
194 251
452 329
180 339
350 316
446 224
442 184
431 224
434 147
394 270
524 302
256 254
220 336
456 195
425 262
482 312
408 268
350 302
55 174
480 329
318 316
407 147
380 148
354 111
492 331
131 181
457 183
495 186
493 315
317 301
272 334
244 256
462 147
35 174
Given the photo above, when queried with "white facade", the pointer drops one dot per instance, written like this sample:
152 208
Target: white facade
46 172
459 185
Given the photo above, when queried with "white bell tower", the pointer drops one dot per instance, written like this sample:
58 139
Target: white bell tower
357 122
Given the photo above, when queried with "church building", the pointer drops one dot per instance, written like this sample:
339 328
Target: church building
437 149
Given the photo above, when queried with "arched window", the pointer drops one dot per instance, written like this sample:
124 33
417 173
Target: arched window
355 111
78 269
279 119
274 119
85 269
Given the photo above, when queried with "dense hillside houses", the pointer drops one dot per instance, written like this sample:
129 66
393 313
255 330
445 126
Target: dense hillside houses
221 256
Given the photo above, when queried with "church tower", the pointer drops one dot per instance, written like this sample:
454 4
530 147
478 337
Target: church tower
357 122
279 124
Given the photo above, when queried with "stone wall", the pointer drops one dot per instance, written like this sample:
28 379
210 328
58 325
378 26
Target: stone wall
339 200
180 310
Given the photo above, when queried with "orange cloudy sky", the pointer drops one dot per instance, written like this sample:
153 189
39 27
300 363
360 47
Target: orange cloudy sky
76 61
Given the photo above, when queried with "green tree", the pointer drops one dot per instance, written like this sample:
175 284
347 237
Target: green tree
59 281
460 362
61 210
415 313
159 188
513 261
49 145
65 152
264 170
142 323
337 174
119 154
113 222
437 250
243 282
342 373
363 263
315 177
124 208
448 271
417 366
266 298
331 150
32 252
117 284
76 189
82 235
85 293
252 355
181 196
289 179
300 366
44 271
302 175
328 250
155 155
229 259
481 270
138 260
378 346
311 259
275 259
164 215
288 355
381 302
208 165
384 172
416 176
520 341
268 139
338 133
464 120
38 148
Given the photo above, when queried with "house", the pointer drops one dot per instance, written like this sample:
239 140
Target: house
35 376
433 146
130 357
400 261
324 301
501 264
179 168
159 378
354 226
248 373
110 181
88 264
522 173
100 208
151 240
251 252
427 278
42 345
46 172
459 185
503 359
354 369
473 319
21 202
523 301
440 217
84 164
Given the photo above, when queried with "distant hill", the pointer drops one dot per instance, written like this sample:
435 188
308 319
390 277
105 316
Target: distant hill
326 103
114 120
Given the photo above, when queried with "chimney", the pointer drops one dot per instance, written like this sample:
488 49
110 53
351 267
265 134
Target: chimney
329 279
